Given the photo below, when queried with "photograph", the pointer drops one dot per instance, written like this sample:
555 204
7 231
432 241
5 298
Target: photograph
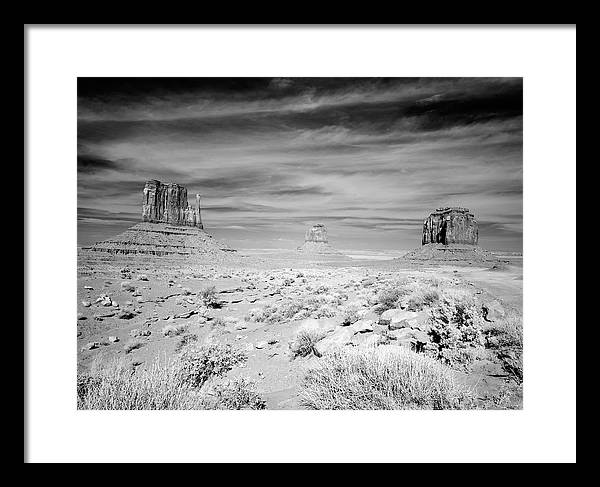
300 243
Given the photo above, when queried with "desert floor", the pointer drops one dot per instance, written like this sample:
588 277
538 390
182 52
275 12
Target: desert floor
125 297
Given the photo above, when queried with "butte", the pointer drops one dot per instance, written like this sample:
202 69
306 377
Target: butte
317 242
451 235
170 227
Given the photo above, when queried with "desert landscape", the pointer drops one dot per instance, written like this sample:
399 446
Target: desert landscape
440 327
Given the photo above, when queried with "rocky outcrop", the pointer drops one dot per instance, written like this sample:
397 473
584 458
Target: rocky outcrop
168 203
450 225
317 242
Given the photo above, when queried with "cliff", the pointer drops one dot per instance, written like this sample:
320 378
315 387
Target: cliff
448 226
168 203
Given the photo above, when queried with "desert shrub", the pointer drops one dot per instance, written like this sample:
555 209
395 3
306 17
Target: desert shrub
173 330
185 340
237 394
85 383
117 386
456 324
305 341
350 315
384 377
512 362
209 297
506 333
134 344
388 299
421 298
324 311
198 364
218 322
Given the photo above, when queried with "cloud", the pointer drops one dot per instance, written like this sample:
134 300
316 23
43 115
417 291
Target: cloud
366 156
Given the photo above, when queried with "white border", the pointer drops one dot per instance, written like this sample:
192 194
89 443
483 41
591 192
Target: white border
543 431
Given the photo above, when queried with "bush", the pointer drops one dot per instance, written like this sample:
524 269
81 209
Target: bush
305 341
185 340
196 365
117 386
173 384
350 315
456 324
422 298
384 377
209 297
507 333
237 394
173 330
132 345
388 299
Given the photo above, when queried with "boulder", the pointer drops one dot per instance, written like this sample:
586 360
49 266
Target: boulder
363 326
339 338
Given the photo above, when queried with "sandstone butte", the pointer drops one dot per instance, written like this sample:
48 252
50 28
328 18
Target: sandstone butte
170 226
451 234
317 242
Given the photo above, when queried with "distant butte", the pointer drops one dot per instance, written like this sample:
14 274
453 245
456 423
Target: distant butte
317 242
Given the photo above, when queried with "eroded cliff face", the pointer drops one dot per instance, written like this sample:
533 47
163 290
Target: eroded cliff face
448 226
168 203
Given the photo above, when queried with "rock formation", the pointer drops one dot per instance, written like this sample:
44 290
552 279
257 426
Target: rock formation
168 203
316 241
316 233
170 226
451 235
450 225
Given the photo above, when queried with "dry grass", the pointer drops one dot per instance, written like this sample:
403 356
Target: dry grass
116 386
305 341
209 297
198 364
237 394
173 330
170 384
384 377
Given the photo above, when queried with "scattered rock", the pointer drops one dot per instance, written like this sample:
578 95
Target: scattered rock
86 304
136 332
363 326
113 339
127 286
186 315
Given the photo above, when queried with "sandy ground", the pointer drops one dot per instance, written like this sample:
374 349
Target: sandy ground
164 292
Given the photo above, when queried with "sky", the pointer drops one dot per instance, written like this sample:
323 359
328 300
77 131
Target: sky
370 158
